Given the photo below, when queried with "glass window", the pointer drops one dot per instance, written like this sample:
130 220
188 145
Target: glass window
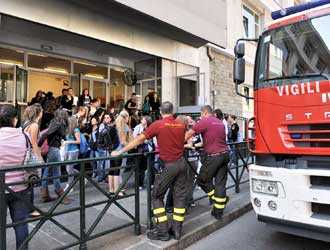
159 89
50 64
11 57
251 23
299 50
188 92
7 86
99 92
21 85
147 87
117 89
90 70
145 69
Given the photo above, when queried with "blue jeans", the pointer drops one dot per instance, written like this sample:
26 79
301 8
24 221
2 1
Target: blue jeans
93 164
19 211
53 156
101 165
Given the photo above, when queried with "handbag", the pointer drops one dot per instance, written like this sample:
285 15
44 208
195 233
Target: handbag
31 176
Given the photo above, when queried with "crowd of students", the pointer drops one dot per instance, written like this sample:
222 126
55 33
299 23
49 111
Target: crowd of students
69 128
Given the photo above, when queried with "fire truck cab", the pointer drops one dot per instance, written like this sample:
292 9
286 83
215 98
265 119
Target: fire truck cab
290 180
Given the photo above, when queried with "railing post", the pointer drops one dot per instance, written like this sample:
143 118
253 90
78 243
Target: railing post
82 200
3 212
237 189
137 197
149 216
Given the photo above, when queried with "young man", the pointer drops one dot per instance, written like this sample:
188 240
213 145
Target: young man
131 105
215 160
170 135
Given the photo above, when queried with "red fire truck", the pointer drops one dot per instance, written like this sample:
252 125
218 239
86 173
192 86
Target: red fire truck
290 180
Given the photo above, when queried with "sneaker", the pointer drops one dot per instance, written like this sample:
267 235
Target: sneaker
66 187
193 204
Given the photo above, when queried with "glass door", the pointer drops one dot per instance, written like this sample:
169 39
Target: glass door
7 84
21 85
97 88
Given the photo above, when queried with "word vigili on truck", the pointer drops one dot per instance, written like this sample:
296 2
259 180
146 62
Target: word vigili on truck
290 131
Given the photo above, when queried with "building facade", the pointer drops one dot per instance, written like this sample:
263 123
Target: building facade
245 19
49 45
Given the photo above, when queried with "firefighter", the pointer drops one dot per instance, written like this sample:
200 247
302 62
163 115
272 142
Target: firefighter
214 161
170 135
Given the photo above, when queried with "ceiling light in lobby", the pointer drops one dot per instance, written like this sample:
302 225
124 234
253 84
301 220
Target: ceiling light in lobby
95 76
12 63
56 70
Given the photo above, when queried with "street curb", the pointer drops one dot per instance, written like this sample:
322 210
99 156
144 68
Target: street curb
207 229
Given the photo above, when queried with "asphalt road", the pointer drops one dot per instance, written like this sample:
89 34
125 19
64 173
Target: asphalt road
246 233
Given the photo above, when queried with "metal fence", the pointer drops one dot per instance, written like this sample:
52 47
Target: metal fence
236 171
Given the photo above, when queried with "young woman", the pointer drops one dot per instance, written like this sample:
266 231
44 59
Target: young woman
71 143
32 117
54 135
93 127
84 99
12 153
105 136
123 132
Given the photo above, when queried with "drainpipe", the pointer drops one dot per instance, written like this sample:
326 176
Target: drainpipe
210 54
211 58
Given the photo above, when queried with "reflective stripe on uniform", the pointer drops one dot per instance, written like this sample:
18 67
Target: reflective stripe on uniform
159 210
179 210
210 193
161 219
219 206
219 199
178 218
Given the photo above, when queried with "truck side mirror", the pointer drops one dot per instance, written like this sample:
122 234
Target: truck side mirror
239 50
239 70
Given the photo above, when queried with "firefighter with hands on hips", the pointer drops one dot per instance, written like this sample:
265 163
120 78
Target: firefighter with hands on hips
170 135
214 163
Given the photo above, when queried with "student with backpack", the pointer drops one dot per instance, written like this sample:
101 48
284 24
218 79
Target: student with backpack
105 136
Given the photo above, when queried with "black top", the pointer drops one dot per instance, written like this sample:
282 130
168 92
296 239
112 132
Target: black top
234 132
130 106
81 100
66 103
54 134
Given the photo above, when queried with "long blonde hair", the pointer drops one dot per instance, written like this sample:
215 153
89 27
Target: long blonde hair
121 125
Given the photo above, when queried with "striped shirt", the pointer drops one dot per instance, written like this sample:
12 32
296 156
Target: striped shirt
12 153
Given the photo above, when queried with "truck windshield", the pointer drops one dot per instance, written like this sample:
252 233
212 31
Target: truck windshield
299 50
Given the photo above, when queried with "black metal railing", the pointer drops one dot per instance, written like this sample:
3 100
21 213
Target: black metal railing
236 169
85 233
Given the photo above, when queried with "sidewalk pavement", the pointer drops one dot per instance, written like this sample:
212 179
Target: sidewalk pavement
198 224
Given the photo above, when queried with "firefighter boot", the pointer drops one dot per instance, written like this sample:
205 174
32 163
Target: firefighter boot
160 232
45 197
178 218
177 230
218 206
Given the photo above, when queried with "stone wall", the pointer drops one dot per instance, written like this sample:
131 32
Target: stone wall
221 79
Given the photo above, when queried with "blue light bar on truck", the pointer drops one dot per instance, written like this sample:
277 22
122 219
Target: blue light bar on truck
298 8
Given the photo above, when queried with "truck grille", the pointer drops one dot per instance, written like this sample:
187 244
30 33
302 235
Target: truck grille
310 135
320 181
321 209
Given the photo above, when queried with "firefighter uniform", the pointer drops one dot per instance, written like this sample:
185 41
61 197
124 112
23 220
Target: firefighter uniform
214 162
170 136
